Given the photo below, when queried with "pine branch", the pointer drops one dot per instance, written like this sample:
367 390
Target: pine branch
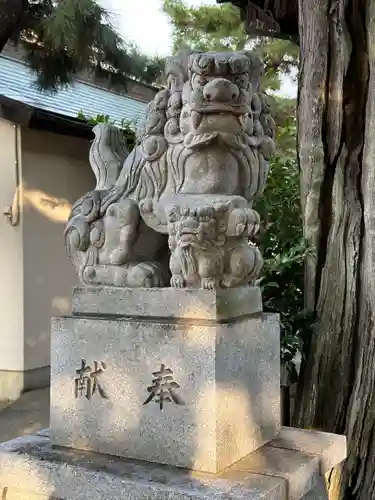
63 38
12 13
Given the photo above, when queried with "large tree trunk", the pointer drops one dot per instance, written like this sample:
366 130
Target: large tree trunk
11 16
336 149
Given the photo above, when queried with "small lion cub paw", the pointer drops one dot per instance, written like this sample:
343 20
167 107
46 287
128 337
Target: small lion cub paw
177 281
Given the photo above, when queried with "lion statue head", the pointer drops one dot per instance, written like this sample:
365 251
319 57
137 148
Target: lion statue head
208 132
216 100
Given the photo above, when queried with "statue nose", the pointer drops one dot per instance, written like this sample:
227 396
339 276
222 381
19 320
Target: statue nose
220 90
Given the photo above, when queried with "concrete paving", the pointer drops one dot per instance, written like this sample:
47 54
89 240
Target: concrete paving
28 414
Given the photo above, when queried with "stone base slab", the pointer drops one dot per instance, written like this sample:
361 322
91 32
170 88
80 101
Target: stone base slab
330 448
199 395
168 303
31 468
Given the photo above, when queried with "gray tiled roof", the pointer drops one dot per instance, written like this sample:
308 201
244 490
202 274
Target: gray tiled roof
17 82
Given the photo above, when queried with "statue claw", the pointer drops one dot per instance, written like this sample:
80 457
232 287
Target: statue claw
208 283
177 281
226 283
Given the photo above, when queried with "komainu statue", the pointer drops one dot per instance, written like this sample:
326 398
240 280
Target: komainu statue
178 208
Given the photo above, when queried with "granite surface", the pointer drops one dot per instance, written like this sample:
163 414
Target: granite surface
330 448
317 493
188 304
32 467
299 469
224 381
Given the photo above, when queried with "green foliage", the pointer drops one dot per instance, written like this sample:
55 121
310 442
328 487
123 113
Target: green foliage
147 69
282 288
279 206
281 241
126 126
220 28
207 28
279 56
64 37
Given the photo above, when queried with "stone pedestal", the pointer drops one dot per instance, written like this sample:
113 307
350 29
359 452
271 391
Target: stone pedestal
167 394
289 468
188 381
180 377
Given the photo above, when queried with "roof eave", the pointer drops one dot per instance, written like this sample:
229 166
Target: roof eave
34 118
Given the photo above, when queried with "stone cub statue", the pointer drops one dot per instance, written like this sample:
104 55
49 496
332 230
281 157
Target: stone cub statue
210 247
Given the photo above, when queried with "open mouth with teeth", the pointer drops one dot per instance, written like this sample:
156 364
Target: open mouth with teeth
187 237
219 119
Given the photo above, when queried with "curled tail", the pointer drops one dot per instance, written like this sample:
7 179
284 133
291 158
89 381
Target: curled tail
107 155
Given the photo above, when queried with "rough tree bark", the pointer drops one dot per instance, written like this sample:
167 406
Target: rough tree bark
336 149
11 16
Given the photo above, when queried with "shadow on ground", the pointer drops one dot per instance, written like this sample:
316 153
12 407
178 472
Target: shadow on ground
28 414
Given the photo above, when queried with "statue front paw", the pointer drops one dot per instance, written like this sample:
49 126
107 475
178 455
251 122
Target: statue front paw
209 283
230 281
88 275
177 281
226 283
118 256
145 275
